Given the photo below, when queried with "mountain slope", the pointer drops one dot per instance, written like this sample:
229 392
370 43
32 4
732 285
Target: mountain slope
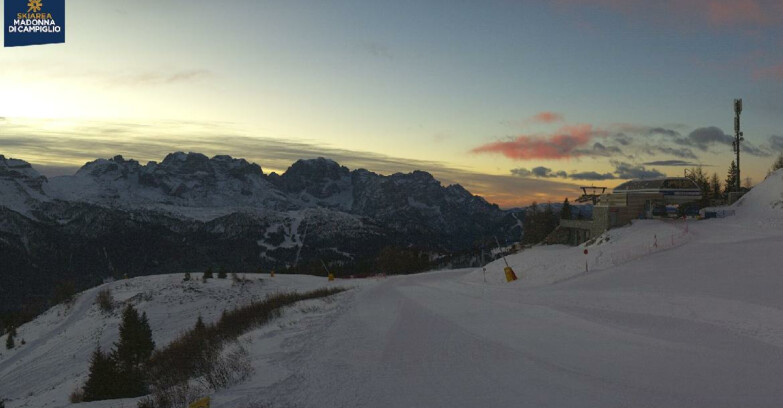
117 217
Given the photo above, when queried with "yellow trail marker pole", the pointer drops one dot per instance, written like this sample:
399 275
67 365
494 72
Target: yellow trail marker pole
510 275
202 403
329 274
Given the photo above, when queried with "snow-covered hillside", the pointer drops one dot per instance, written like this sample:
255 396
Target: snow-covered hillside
54 358
669 315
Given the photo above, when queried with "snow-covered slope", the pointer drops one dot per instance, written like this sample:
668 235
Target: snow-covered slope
763 205
55 357
668 315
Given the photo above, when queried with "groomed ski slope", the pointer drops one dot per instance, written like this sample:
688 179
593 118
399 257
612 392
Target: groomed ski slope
695 322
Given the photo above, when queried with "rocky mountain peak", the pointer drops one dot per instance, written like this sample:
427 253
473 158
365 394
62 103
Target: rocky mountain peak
197 164
316 169
10 167
115 167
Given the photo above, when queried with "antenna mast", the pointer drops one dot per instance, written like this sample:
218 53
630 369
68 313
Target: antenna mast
737 136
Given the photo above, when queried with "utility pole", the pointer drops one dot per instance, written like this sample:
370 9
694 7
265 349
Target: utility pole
737 136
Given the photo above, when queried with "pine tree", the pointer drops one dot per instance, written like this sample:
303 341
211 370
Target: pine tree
715 186
222 273
200 327
136 345
565 212
187 277
102 380
207 274
550 220
731 178
9 342
133 352
698 175
530 224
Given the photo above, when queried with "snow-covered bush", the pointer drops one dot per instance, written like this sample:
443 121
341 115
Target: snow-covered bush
105 300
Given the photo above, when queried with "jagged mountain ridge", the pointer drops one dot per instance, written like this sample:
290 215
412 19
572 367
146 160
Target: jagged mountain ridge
116 216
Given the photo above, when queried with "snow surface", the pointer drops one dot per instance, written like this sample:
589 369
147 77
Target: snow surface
667 316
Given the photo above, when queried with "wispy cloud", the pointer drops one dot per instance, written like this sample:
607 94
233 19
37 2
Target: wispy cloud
26 69
376 49
674 163
630 171
706 137
622 171
599 149
592 175
158 77
562 144
681 152
540 172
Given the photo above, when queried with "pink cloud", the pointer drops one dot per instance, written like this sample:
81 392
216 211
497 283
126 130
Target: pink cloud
774 72
731 12
547 117
720 13
560 145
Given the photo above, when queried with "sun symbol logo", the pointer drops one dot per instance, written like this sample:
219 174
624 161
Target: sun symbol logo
35 5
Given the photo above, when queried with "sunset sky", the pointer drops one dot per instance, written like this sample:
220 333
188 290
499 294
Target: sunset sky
517 100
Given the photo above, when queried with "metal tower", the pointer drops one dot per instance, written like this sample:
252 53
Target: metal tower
737 136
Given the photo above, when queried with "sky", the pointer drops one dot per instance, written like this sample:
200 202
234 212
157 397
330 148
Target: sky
516 100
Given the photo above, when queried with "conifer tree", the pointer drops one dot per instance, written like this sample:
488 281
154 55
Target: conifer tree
102 379
200 327
136 344
133 352
187 277
715 186
207 274
222 273
530 224
565 212
731 178
9 342
550 220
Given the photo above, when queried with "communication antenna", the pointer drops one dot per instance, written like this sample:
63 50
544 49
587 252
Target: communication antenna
737 135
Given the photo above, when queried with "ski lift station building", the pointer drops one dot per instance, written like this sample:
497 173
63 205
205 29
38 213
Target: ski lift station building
633 199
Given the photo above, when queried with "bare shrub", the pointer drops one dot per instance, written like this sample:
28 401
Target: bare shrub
105 300
77 395
232 366
178 396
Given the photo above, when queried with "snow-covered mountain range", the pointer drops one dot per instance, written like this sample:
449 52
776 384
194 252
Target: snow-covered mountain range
117 216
